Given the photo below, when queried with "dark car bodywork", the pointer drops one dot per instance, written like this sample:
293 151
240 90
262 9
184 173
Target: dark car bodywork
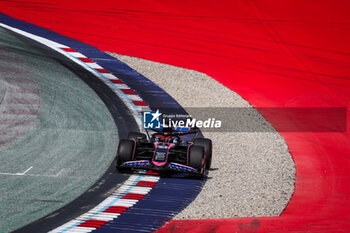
164 151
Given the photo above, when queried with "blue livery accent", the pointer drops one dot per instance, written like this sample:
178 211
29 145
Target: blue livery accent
136 163
182 167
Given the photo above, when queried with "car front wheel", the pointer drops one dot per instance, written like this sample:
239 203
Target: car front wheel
197 159
125 152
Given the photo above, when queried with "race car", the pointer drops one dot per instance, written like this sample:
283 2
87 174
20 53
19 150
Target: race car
165 150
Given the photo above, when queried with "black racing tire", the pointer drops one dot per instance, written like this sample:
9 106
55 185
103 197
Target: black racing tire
136 136
196 158
208 149
125 153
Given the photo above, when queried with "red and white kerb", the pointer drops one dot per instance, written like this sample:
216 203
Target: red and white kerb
131 95
133 190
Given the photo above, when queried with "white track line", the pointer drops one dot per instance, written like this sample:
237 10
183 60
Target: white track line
16 174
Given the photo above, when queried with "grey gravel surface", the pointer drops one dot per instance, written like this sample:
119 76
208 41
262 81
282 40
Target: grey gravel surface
253 172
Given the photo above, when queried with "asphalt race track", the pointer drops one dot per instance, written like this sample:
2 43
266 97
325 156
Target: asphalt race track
57 136
273 54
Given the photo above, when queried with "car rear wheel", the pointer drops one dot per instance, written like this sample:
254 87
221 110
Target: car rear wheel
136 135
208 148
125 152
197 158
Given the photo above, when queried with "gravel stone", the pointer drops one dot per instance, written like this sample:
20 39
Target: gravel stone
253 172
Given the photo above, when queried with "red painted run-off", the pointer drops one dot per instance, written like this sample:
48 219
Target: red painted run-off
273 53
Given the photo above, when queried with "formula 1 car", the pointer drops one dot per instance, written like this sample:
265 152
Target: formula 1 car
165 150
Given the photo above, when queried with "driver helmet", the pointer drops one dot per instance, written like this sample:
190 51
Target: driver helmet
168 130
